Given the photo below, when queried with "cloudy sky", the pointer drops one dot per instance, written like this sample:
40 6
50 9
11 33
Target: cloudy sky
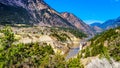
88 10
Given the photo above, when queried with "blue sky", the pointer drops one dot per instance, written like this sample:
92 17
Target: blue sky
88 10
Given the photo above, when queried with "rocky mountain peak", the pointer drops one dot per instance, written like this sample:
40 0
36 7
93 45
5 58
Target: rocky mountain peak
37 12
30 11
78 23
13 2
28 4
69 15
66 14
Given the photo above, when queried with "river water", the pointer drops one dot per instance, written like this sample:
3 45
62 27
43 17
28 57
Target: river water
72 52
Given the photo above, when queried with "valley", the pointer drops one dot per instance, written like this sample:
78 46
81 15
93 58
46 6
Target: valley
34 35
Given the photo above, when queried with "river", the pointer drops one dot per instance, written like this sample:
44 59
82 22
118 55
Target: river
74 51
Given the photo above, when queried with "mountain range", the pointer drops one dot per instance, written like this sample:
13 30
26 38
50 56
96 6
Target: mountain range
37 12
112 23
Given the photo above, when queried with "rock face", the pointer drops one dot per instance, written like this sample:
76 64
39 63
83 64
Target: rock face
97 29
28 4
103 63
37 12
78 23
31 12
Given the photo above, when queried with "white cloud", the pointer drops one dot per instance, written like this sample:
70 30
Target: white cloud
92 21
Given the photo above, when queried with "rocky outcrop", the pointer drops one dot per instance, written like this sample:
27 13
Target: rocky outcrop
103 63
78 23
97 29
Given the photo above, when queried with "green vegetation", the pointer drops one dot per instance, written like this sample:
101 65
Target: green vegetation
37 55
105 36
8 38
11 15
75 63
31 55
115 51
61 37
25 54
106 44
94 50
77 33
22 54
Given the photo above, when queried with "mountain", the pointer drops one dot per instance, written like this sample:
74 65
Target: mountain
30 12
78 23
96 27
96 24
37 12
112 23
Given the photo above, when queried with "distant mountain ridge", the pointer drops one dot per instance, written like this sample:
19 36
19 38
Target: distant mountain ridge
37 12
112 23
96 24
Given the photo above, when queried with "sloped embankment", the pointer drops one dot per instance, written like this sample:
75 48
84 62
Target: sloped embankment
103 51
61 39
